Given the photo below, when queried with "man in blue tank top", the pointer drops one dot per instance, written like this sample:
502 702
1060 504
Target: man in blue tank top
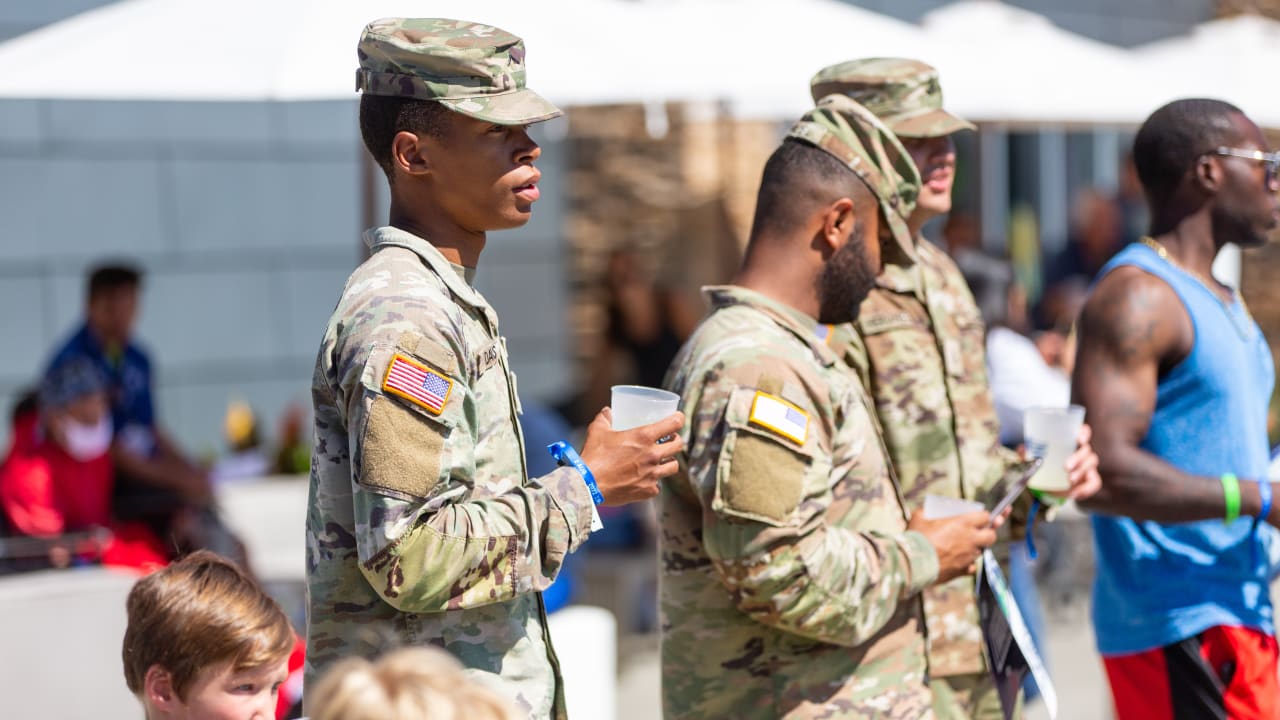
1176 378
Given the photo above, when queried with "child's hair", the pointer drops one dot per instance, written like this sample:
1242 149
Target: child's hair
418 683
201 611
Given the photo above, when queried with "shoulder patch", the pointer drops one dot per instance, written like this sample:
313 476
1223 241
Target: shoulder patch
411 380
773 413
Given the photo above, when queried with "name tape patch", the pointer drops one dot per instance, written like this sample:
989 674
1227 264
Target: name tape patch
417 383
774 413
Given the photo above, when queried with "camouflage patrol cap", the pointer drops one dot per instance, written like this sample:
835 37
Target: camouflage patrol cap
904 93
477 70
860 140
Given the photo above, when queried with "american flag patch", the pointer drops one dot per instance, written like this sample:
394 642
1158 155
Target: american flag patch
417 383
774 413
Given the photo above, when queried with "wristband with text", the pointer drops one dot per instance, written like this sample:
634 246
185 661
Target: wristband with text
565 455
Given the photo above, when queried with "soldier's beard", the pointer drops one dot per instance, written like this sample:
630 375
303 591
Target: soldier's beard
845 280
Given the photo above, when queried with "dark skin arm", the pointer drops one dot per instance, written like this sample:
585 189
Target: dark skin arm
1132 330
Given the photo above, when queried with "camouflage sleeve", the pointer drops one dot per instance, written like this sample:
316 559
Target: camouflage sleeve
785 531
435 531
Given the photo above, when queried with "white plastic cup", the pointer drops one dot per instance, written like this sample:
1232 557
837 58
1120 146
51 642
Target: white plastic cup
937 507
636 405
1050 433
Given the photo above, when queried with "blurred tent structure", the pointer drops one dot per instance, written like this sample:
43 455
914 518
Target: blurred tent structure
585 52
1001 63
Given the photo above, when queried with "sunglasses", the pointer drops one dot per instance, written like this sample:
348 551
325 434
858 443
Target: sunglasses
1270 161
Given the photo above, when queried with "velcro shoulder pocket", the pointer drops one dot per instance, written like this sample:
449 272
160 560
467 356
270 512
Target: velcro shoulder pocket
767 454
400 454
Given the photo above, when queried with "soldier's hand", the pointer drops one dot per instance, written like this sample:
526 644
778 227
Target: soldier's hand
958 540
628 464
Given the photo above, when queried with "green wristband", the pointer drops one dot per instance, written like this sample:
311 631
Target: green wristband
1231 494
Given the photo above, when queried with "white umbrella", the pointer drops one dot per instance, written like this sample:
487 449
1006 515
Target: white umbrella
1233 59
999 62
758 55
246 50
744 52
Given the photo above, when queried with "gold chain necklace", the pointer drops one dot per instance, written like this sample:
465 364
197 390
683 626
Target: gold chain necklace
1208 284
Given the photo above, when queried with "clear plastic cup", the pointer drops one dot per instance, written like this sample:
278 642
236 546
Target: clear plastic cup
636 405
937 507
1050 433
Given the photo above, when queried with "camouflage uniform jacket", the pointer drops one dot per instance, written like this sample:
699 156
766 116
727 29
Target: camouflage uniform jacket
919 347
421 518
789 586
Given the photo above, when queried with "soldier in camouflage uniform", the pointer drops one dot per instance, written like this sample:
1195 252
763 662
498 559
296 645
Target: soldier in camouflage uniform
790 571
422 522
918 345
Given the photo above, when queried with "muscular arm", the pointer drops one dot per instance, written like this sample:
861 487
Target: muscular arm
1132 328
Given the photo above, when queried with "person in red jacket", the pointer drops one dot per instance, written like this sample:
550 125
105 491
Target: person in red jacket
57 477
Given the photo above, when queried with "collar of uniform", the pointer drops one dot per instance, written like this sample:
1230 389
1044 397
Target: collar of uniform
457 282
791 319
900 271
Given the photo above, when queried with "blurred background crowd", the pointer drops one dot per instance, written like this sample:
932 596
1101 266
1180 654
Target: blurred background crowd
174 239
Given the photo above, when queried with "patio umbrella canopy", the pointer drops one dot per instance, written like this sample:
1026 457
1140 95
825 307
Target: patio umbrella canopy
247 50
1002 63
998 62
581 51
1233 59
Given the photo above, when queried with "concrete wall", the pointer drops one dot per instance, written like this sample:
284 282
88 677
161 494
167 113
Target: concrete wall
246 217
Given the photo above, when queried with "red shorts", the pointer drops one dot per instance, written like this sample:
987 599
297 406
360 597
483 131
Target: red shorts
1222 673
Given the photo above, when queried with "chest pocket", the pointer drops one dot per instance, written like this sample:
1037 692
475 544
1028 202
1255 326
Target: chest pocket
767 457
899 337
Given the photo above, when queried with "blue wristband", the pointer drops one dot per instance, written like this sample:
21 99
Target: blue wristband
1264 499
564 454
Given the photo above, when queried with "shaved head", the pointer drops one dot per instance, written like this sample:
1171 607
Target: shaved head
798 180
1168 143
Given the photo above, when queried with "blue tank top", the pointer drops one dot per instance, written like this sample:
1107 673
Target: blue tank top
1160 583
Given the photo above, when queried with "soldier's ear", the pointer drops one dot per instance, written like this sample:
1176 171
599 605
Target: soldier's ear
837 224
409 154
